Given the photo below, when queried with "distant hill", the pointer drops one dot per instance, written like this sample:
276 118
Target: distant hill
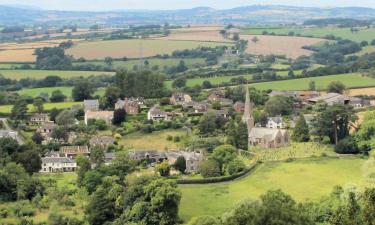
256 14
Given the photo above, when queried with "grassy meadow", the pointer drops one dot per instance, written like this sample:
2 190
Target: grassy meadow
47 106
67 91
303 179
364 34
41 74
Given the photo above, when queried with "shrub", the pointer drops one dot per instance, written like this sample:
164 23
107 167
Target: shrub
235 166
4 213
347 146
169 138
210 168
176 139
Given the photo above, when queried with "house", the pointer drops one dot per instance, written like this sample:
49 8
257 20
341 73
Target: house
156 114
198 107
91 105
107 116
275 122
358 102
109 157
239 107
264 137
193 160
331 99
131 105
306 95
216 96
102 141
46 129
39 118
73 151
180 98
219 113
151 156
57 164
9 134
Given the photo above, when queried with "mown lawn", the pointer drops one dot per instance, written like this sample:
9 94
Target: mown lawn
41 74
364 34
349 80
47 106
303 179
154 141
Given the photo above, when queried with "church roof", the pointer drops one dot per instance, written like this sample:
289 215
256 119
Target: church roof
267 133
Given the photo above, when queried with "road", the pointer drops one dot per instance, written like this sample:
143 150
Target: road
8 128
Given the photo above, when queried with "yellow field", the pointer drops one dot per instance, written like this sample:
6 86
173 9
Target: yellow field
279 45
212 35
361 91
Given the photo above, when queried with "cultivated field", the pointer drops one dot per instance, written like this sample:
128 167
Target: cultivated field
40 74
364 34
349 80
211 36
303 179
154 141
197 28
361 91
132 48
279 45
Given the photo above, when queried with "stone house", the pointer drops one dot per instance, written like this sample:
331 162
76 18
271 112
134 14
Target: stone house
46 129
107 116
91 105
151 156
193 160
39 118
73 151
157 114
57 164
239 107
180 98
102 141
275 122
219 113
131 105
9 134
198 107
216 96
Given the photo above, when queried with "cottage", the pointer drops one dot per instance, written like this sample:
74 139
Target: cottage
9 134
107 116
156 114
198 107
180 98
109 157
39 118
193 160
102 141
46 129
216 96
239 107
91 105
131 105
73 151
264 137
219 113
275 122
57 164
151 156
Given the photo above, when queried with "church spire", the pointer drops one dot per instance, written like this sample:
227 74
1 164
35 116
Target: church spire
247 116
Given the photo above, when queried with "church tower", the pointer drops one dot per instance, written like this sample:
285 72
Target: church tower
248 116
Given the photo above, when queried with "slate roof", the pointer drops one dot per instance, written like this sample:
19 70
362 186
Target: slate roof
57 160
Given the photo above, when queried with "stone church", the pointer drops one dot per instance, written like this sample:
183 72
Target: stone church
260 136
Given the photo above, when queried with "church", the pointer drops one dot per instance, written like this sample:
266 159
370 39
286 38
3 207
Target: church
260 136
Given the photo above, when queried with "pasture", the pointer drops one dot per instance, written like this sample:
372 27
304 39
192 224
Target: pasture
41 74
364 34
67 91
154 141
132 48
291 47
47 106
303 179
352 80
210 36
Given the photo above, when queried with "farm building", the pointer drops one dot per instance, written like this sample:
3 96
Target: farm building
91 105
193 160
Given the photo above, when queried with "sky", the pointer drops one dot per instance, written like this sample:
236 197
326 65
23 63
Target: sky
103 5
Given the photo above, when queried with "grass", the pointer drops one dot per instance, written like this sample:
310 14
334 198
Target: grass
303 179
67 91
134 48
129 64
41 74
47 106
154 141
364 34
349 80
365 50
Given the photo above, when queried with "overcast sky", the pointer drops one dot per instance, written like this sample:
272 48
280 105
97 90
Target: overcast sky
100 5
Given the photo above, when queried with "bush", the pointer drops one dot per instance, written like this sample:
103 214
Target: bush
235 166
210 168
169 138
4 213
176 139
347 146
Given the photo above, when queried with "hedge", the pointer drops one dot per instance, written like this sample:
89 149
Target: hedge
218 179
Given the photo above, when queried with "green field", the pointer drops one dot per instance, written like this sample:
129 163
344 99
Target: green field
40 74
47 106
364 34
303 179
349 80
129 64
365 50
67 91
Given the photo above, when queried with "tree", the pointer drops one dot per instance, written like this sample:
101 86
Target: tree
108 61
224 154
207 124
83 89
112 94
180 82
206 84
347 145
204 220
38 104
97 155
84 166
235 166
37 138
237 135
57 96
101 209
279 105
30 160
119 116
210 168
301 131
180 164
255 39
312 86
163 168
336 87
66 118
291 74
236 37
19 110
